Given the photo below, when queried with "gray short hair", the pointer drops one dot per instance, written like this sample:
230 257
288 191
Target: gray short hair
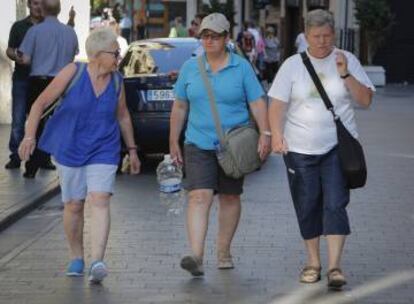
99 40
319 17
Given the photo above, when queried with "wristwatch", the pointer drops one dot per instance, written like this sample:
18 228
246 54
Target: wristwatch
267 133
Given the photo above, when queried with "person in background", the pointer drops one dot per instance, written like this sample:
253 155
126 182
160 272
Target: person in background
20 79
300 43
72 15
178 30
91 117
237 91
123 43
261 54
251 27
248 46
117 12
125 25
141 26
309 141
272 58
47 47
193 30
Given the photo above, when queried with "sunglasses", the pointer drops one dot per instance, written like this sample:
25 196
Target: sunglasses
212 36
116 53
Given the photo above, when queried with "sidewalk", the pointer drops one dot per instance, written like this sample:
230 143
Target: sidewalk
19 195
145 245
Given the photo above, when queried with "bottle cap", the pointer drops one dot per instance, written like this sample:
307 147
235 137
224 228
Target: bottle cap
167 157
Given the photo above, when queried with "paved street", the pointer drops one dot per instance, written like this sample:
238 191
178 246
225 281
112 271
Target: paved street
16 191
145 245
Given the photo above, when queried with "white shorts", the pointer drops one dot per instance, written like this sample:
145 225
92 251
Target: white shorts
77 182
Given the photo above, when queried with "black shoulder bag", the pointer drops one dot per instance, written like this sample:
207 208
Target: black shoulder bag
351 154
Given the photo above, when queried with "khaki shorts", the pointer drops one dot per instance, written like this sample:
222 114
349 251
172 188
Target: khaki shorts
203 172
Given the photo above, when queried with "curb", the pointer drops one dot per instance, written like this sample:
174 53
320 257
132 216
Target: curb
25 206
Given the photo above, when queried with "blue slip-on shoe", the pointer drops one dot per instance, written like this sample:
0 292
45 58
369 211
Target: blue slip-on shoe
75 268
97 272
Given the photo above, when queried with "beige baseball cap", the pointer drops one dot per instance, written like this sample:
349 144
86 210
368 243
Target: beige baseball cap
215 22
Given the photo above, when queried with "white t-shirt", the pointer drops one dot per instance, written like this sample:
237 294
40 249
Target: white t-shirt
123 45
301 43
309 127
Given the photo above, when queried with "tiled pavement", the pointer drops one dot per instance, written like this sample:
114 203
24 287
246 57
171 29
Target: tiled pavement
145 245
17 194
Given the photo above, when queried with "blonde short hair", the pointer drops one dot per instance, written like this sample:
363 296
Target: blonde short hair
99 40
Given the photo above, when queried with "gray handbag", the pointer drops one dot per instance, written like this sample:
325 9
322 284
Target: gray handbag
238 154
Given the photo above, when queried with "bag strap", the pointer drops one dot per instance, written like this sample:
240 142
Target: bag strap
318 84
211 99
117 82
80 68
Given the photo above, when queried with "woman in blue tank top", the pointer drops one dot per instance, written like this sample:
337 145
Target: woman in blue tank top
83 136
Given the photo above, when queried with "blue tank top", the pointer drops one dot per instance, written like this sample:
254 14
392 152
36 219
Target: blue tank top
84 129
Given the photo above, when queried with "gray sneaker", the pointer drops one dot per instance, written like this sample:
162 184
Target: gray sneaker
193 265
97 272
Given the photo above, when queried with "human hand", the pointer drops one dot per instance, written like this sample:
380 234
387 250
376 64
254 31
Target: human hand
263 147
175 153
72 13
26 148
341 63
279 144
134 163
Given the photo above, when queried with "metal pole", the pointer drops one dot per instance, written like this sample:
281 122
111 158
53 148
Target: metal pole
243 13
346 36
346 15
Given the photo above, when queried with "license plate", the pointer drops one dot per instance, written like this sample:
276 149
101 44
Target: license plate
156 95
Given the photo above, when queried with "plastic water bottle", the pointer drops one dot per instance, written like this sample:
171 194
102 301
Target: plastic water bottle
169 177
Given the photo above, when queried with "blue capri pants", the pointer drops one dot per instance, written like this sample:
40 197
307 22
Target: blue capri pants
319 193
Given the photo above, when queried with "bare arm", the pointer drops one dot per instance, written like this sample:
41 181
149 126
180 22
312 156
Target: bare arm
52 92
177 120
259 112
277 110
11 53
359 92
127 131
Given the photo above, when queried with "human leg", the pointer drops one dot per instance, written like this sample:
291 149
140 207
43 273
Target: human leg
73 190
228 218
199 204
304 182
200 182
100 223
38 158
336 223
73 225
19 101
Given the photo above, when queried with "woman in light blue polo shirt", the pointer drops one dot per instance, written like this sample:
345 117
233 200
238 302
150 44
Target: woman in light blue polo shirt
236 89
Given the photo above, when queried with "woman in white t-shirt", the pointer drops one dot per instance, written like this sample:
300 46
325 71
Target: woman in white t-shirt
309 140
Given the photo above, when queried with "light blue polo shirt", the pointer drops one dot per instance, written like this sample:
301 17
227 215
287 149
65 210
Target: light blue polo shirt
51 45
233 86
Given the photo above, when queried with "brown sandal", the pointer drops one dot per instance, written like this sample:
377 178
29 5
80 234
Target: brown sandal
310 274
224 260
336 279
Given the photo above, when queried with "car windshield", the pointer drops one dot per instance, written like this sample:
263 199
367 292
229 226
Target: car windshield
156 57
171 58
